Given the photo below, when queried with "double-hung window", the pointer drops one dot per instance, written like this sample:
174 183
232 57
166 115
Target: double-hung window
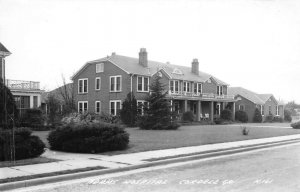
83 85
277 110
143 84
97 107
99 67
197 88
270 110
116 83
141 105
186 86
114 107
82 106
262 110
242 107
174 86
97 83
219 90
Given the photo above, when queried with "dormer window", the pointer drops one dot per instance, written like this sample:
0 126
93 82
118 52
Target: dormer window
99 67
177 71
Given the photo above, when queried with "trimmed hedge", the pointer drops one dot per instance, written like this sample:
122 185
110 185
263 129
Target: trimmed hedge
257 118
26 145
296 125
33 118
188 116
241 116
269 118
88 138
226 114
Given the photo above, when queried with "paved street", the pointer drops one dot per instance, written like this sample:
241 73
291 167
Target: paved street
276 169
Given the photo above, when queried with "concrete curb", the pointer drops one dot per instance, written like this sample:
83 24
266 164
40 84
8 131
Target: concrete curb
187 157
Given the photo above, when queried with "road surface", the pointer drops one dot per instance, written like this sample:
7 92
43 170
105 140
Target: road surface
273 169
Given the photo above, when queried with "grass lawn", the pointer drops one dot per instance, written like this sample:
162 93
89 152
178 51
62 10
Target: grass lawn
146 140
26 162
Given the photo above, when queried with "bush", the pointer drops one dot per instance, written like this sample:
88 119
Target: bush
241 116
269 118
257 116
226 114
32 118
129 111
277 119
296 125
157 125
188 116
26 145
218 121
287 115
88 138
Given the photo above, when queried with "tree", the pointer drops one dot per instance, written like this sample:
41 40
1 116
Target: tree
67 94
129 110
257 116
53 108
158 115
241 116
287 115
8 108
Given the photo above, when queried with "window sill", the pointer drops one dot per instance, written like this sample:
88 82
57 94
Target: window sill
82 93
142 91
115 91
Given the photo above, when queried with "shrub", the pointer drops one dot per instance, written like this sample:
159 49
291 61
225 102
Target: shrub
287 115
88 138
129 111
241 116
226 114
188 116
26 145
218 121
257 118
296 125
269 118
277 119
32 118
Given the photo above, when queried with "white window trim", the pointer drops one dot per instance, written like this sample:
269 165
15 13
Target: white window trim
87 104
219 108
96 107
87 85
99 83
219 88
197 87
143 103
101 66
188 87
277 110
243 107
173 82
143 82
261 110
115 87
115 104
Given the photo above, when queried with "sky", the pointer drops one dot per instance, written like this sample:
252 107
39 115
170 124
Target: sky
253 44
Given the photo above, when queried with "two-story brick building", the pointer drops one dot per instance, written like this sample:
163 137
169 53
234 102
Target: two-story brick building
101 85
248 101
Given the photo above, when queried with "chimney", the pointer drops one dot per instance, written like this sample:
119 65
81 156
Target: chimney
143 57
113 54
195 66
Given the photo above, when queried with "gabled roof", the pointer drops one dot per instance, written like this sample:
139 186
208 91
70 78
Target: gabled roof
4 50
250 95
265 97
131 65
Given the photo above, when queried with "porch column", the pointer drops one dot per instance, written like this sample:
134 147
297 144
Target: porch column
31 102
212 111
233 112
185 105
199 111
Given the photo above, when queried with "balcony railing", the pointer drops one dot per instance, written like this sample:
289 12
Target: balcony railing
24 85
201 95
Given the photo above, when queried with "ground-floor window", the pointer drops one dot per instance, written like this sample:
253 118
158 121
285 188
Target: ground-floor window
115 107
35 101
141 105
242 107
82 106
277 111
97 107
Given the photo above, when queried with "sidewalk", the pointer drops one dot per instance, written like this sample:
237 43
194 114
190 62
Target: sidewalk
72 161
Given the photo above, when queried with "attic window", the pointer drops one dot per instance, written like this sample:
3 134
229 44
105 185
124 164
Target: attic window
177 71
99 67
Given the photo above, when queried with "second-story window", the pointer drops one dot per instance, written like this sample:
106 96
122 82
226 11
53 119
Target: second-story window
82 85
99 67
115 83
197 88
174 86
219 90
186 86
143 84
97 83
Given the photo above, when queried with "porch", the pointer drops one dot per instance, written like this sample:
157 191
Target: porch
202 110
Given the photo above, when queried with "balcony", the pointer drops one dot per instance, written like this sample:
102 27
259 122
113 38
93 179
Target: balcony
22 85
207 96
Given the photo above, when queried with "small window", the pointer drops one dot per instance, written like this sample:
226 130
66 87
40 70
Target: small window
143 84
115 83
82 85
98 107
277 111
242 107
82 106
97 83
99 67
177 71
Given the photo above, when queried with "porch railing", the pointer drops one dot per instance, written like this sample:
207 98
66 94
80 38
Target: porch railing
201 95
24 85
